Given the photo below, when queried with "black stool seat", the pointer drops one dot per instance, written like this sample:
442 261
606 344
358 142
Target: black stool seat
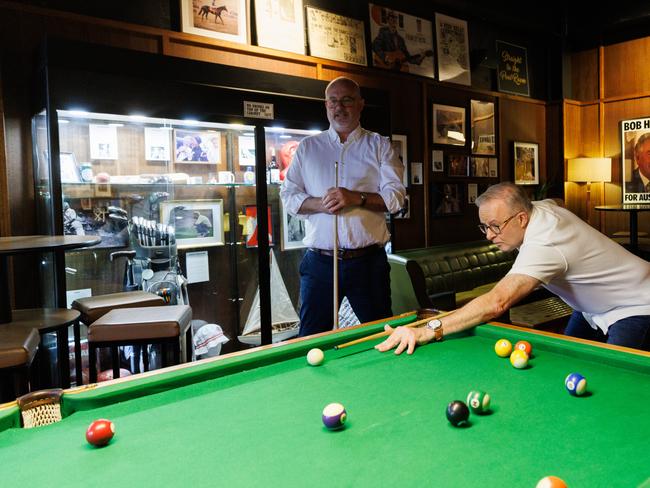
141 325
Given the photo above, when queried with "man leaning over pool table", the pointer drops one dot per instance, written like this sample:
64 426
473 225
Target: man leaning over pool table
607 286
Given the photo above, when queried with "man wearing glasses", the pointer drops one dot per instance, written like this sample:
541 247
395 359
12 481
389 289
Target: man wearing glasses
607 286
369 184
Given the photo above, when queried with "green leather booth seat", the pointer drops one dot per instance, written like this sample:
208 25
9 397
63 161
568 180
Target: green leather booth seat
447 276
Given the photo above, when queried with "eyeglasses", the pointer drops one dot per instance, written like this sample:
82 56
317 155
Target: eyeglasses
496 229
345 101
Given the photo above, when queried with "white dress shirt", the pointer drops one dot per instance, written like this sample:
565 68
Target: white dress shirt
367 163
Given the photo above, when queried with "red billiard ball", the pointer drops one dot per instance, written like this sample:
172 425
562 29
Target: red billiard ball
100 432
524 346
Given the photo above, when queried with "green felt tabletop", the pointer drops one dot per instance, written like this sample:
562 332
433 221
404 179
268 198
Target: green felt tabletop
258 422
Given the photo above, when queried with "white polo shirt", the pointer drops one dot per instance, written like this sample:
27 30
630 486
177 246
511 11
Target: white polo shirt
589 271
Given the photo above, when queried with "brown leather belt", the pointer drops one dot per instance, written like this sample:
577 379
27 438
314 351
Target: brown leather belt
348 253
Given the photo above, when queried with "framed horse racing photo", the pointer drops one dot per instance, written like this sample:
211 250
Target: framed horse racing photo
221 19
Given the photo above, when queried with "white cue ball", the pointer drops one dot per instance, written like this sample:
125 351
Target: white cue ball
315 357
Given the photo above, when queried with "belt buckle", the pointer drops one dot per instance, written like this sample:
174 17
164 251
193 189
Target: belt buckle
340 253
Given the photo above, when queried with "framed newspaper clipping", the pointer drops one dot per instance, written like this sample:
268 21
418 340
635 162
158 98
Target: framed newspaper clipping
401 42
280 25
453 50
333 36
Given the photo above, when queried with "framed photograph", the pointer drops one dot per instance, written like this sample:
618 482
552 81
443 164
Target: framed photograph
448 125
482 128
196 146
417 178
280 25
399 144
401 42
69 169
512 69
103 141
250 229
224 19
437 164
472 192
453 50
247 151
332 36
526 155
457 165
446 199
635 139
156 144
479 167
198 223
293 230
494 167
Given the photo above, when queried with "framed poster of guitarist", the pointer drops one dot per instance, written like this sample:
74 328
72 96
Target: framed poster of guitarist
401 42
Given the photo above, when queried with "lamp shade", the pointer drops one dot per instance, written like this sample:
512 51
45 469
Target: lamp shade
583 170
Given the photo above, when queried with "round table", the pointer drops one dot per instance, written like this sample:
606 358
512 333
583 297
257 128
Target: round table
633 211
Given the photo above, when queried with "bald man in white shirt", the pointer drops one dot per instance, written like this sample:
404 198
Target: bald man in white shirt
369 184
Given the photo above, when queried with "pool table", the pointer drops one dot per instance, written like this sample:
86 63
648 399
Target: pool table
253 418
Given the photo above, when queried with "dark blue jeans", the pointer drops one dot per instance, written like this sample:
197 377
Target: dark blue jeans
364 280
629 332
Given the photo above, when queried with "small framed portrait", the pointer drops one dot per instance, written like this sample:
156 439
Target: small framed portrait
494 167
198 223
472 192
437 164
399 144
526 156
69 169
457 165
446 199
156 144
103 141
448 125
203 147
292 230
223 19
479 167
483 128
250 229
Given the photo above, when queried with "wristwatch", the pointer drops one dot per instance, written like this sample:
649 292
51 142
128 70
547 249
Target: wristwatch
436 326
364 197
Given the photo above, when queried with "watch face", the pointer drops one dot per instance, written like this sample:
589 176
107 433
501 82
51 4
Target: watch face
434 324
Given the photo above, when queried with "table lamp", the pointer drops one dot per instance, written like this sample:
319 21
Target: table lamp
588 170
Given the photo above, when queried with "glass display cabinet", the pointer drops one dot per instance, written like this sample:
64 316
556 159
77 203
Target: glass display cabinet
166 166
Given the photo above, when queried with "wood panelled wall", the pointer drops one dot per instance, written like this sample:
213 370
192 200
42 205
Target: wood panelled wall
23 27
608 84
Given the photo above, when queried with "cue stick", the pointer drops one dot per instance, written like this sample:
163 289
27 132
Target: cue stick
335 257
386 332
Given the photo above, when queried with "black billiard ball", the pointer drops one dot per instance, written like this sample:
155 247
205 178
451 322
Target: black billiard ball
457 413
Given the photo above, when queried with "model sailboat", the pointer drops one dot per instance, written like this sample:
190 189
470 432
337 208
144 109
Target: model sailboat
284 319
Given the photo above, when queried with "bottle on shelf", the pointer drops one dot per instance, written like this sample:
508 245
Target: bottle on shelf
273 172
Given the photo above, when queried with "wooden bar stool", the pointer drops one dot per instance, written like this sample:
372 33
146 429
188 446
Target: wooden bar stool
166 326
18 347
92 308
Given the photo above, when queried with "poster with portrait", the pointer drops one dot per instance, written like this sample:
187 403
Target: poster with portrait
635 160
526 155
401 42
103 141
156 144
280 25
226 19
448 125
333 36
453 50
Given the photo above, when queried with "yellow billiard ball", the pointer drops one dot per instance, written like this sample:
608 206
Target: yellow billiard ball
519 359
503 348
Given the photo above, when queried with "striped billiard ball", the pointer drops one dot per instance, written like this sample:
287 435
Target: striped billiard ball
334 416
576 384
478 401
519 359
524 346
551 482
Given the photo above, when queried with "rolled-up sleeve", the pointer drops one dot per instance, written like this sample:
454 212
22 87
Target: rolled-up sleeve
391 172
292 191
